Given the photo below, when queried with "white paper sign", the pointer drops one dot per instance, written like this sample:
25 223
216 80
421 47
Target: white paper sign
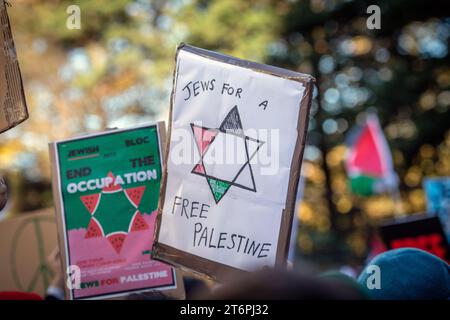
233 135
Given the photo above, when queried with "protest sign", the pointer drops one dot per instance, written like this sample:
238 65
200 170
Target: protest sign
27 241
106 189
295 221
422 232
237 133
13 108
437 191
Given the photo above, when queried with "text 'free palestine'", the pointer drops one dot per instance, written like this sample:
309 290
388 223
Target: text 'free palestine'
210 238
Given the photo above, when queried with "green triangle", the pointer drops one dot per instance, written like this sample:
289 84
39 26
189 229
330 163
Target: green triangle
218 187
363 185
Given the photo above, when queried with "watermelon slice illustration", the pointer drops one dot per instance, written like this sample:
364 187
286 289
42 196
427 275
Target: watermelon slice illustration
138 223
94 229
105 217
91 202
110 188
117 239
135 195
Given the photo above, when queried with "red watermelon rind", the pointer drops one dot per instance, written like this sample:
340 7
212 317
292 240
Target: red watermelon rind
135 195
117 240
138 223
94 229
91 202
111 188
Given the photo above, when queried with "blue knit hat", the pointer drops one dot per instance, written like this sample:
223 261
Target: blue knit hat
407 274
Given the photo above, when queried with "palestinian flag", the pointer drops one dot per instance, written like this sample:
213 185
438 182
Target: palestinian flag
369 160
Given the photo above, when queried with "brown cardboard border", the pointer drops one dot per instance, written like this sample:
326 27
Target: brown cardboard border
15 63
212 269
178 292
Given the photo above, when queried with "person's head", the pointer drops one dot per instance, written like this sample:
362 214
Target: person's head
17 295
406 274
195 286
270 284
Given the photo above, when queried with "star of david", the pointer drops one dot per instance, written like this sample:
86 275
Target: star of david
114 213
222 176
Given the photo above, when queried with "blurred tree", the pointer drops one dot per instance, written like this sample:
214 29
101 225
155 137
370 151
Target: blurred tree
116 71
394 71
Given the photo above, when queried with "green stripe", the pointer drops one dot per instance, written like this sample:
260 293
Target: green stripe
362 185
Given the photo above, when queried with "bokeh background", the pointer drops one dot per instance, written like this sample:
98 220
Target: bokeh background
116 71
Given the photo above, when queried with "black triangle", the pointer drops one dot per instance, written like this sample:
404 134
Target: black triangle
232 122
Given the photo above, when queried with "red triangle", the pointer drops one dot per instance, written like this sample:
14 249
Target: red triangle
90 201
135 194
93 230
138 223
199 169
203 137
366 157
117 241
111 187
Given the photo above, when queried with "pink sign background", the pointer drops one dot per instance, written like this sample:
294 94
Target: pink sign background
105 271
